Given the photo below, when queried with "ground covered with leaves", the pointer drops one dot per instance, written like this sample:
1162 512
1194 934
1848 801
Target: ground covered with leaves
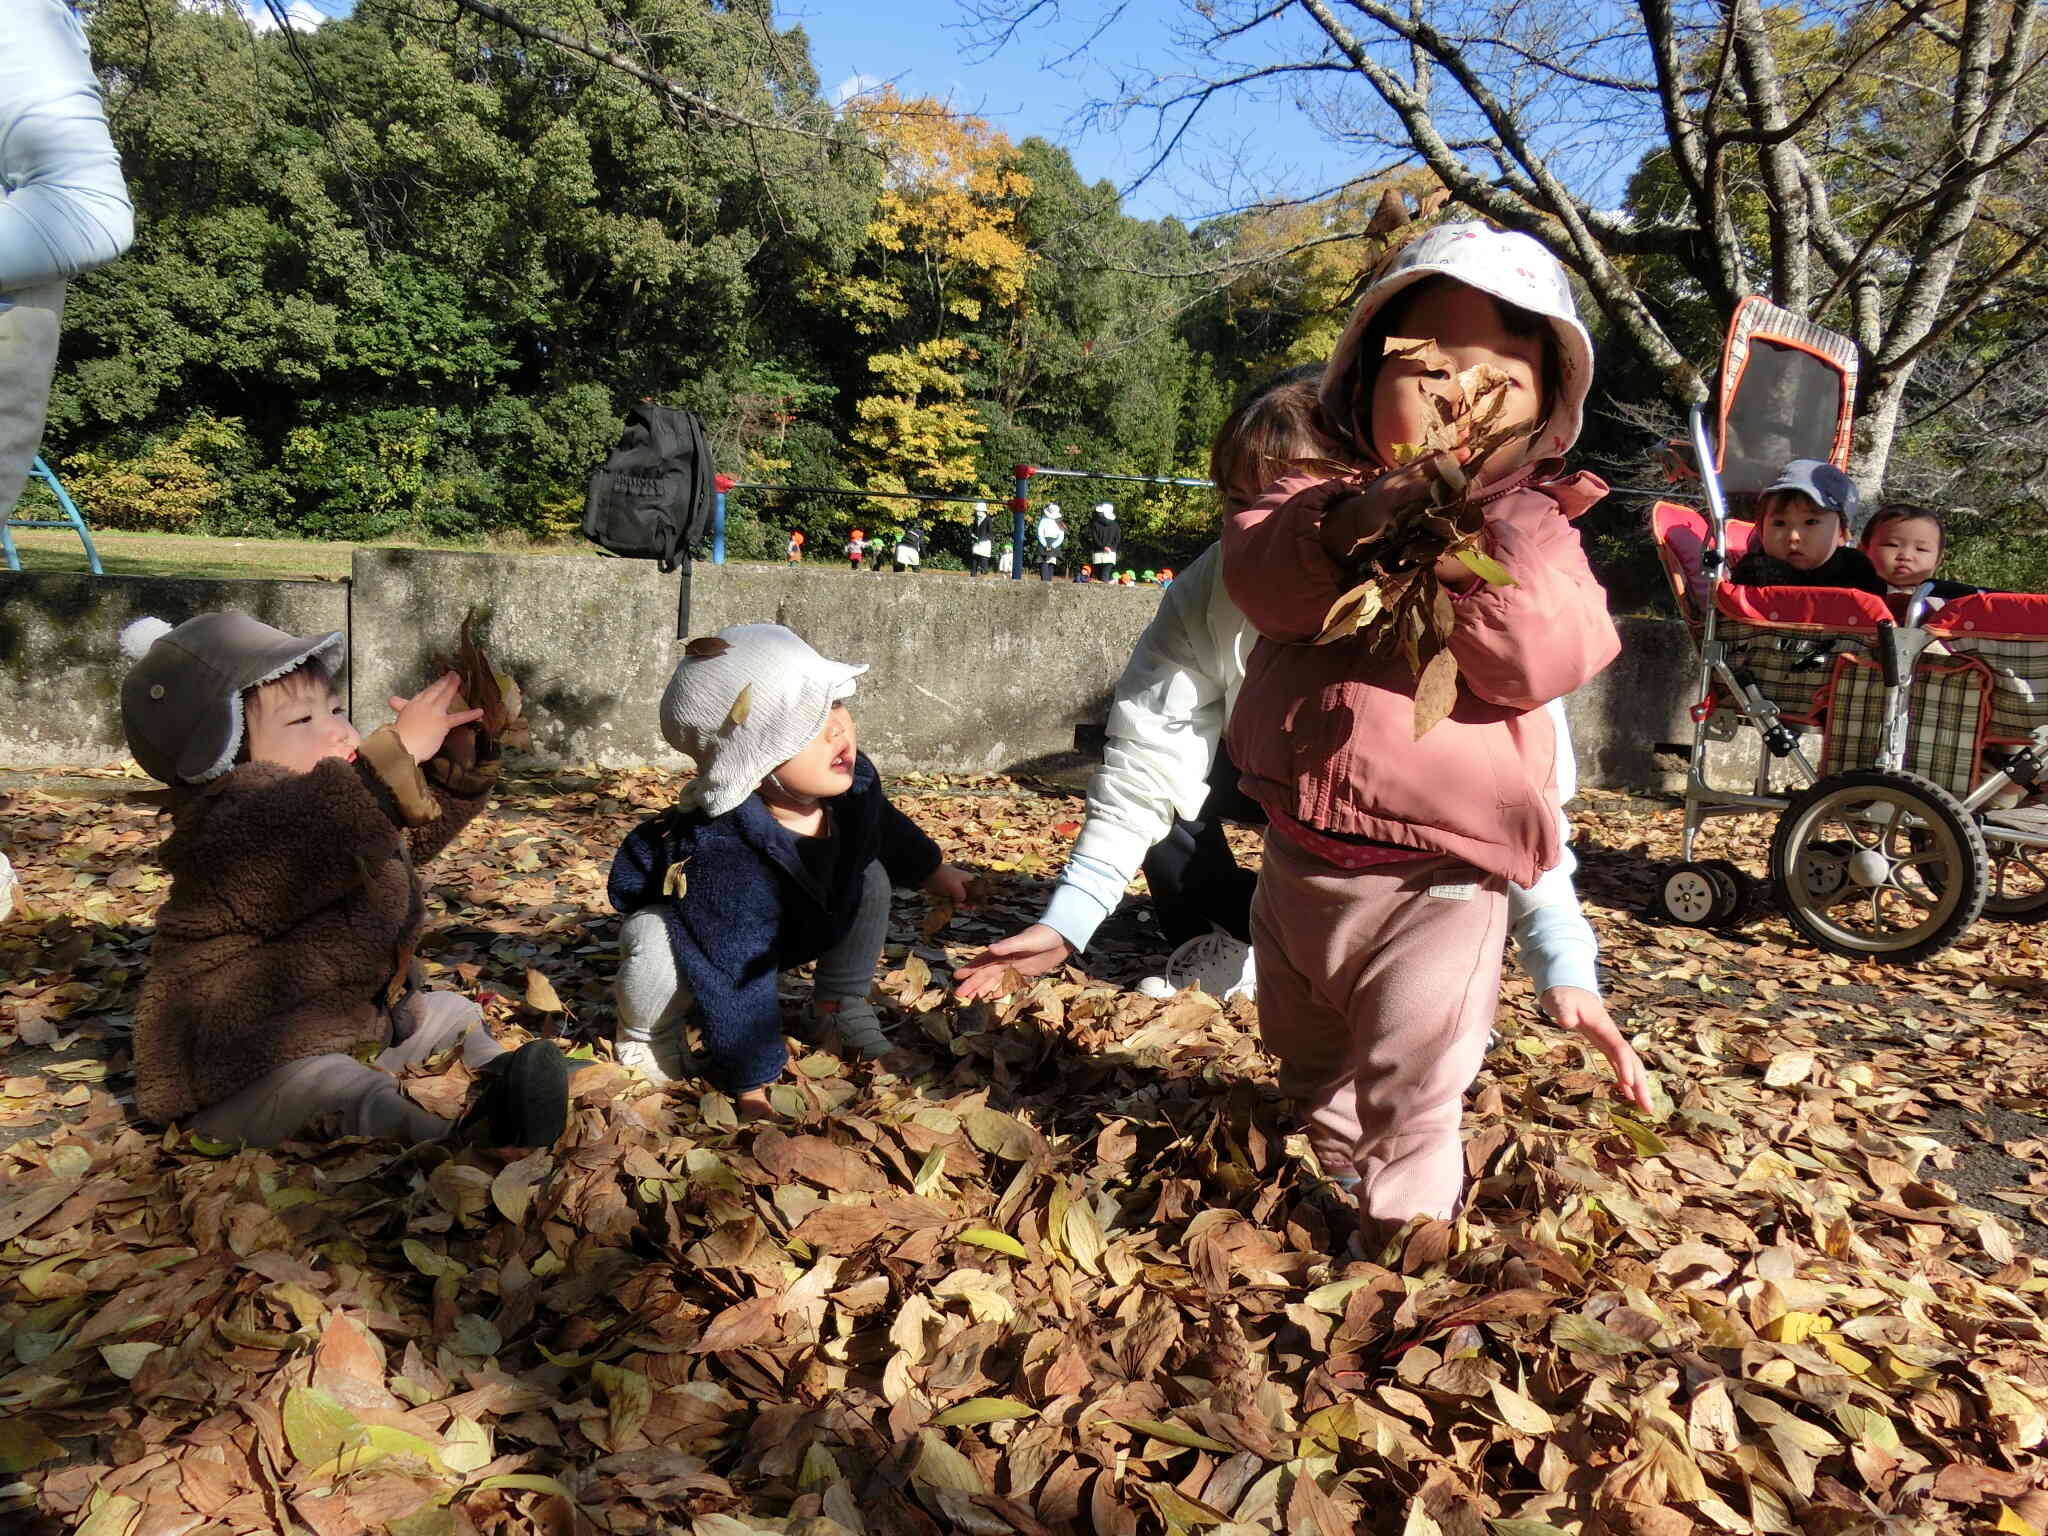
1058 1266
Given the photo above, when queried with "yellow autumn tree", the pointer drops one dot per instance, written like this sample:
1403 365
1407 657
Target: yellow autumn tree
1294 295
944 262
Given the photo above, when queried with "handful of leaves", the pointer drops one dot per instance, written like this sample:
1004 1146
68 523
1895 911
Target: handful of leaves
1397 603
486 688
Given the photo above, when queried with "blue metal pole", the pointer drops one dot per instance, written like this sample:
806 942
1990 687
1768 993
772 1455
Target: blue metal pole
1020 505
718 526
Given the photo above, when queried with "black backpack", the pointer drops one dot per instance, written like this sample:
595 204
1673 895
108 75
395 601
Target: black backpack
653 498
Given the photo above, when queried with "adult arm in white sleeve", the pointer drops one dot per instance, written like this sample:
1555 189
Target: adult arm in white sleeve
1164 727
64 208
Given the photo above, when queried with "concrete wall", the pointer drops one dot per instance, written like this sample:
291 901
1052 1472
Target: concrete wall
967 676
60 657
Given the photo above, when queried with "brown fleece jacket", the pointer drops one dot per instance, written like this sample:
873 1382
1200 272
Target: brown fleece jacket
292 915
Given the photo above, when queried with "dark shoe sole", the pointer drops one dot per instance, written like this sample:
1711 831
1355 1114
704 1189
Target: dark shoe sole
525 1101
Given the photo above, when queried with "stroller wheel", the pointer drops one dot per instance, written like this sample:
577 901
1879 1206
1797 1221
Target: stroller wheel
1692 896
2016 889
1735 886
1879 865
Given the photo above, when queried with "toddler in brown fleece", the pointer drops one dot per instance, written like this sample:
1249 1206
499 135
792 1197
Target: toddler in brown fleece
282 997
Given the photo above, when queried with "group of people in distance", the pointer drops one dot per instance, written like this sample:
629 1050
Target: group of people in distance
1804 523
282 999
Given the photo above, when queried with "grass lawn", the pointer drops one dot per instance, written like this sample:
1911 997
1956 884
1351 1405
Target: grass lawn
197 555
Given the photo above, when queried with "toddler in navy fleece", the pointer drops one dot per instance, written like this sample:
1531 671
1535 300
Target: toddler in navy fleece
781 851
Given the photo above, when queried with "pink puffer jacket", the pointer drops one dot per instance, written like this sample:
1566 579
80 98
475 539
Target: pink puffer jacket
1325 733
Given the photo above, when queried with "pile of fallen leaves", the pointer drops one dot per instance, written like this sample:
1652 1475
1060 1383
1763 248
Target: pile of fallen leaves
1059 1266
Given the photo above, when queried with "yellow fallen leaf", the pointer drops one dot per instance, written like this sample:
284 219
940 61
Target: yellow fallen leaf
1787 1068
540 993
742 706
994 1241
2016 1524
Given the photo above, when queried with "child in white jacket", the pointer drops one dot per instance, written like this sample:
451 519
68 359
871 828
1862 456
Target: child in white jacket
1164 732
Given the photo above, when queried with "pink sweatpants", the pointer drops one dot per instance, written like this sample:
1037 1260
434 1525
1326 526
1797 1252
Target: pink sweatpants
1377 990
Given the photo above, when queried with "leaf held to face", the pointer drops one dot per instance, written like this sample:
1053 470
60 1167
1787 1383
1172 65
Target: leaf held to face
674 883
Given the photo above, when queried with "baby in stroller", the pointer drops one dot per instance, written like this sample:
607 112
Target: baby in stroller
1802 533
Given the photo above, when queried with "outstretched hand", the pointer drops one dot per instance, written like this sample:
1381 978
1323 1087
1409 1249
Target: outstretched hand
1032 952
425 719
1582 1012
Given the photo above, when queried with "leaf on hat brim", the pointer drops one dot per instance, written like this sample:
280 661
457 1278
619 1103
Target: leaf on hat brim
704 647
742 706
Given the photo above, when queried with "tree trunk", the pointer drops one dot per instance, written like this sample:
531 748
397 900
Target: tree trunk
1877 423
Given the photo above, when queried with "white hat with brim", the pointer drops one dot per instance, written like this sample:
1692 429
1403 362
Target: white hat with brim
790 691
1515 269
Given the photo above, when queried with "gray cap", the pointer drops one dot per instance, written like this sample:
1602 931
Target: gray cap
791 689
1824 485
181 703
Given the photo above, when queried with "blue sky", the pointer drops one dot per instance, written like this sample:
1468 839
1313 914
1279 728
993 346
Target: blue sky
1251 143
1036 84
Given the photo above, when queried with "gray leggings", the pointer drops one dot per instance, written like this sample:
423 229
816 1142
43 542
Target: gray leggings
655 1003
362 1100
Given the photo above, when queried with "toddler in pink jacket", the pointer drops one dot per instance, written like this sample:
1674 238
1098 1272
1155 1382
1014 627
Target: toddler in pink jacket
1381 910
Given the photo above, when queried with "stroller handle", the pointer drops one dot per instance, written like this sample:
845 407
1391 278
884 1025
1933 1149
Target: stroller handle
1715 555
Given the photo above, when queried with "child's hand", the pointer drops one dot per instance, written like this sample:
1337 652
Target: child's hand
425 719
1577 1009
1364 515
1032 952
950 884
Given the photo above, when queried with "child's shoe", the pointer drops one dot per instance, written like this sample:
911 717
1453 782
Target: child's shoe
525 1101
1217 963
662 1061
859 1026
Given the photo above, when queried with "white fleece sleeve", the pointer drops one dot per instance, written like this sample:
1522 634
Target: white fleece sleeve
1163 732
64 208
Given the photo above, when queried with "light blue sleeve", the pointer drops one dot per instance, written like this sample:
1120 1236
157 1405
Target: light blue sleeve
64 208
1553 941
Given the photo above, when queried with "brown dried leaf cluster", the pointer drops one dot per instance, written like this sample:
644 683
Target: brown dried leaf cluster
1058 1268
1396 602
484 687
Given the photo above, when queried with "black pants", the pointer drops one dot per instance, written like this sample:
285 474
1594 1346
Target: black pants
977 565
1105 571
1046 569
1195 880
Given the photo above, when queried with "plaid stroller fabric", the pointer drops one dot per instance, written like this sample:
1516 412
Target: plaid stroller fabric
1794 669
1948 704
2019 669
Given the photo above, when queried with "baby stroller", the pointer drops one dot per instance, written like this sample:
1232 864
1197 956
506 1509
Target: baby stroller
1902 726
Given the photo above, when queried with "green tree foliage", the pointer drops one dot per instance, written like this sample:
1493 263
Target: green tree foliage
403 274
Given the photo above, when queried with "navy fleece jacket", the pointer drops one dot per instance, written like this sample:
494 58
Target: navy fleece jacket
750 909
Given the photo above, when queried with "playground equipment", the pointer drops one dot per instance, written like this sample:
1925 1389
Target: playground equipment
71 519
